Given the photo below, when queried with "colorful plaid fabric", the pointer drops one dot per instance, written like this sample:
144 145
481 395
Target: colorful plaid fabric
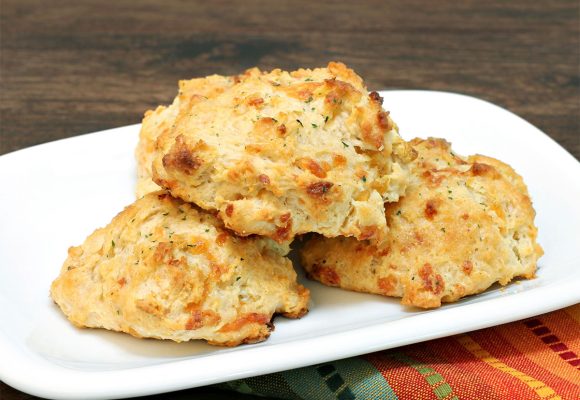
537 358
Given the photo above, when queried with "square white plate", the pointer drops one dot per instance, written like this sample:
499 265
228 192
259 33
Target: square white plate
53 195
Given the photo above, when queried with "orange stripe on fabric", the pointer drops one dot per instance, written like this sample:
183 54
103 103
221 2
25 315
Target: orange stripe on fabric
526 342
470 378
438 384
563 327
403 379
574 312
550 343
540 388
492 341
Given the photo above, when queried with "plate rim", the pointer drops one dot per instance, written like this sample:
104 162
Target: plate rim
56 381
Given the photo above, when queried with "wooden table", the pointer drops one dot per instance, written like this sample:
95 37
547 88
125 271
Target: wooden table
73 67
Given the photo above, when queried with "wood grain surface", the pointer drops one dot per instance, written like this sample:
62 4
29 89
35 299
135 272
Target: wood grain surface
72 67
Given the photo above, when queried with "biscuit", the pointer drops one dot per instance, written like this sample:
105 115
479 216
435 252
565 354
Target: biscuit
165 269
162 119
462 225
279 154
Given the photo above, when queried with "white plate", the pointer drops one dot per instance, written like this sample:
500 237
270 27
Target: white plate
54 195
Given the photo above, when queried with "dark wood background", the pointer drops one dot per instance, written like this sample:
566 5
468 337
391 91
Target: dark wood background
72 67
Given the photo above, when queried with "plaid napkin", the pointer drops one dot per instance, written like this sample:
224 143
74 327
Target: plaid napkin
535 358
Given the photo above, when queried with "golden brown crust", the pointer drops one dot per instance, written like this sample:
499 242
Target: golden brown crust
160 120
312 144
462 225
165 269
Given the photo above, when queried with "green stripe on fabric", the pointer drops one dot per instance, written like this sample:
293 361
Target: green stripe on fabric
239 386
444 391
310 382
272 385
364 380
433 379
441 388
348 379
